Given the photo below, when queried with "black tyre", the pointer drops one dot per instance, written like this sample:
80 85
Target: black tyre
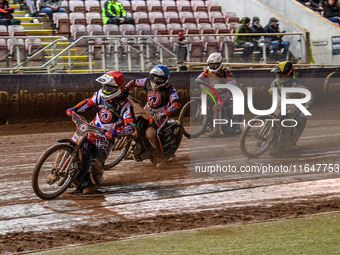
257 138
54 171
118 152
191 120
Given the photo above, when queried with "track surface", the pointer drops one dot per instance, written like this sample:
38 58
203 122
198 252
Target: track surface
138 199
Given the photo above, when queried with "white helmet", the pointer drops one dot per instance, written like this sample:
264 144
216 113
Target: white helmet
215 62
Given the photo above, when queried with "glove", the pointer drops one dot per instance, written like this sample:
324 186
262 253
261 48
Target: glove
125 93
70 111
159 116
110 134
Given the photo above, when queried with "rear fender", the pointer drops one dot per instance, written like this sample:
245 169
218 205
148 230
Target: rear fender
69 141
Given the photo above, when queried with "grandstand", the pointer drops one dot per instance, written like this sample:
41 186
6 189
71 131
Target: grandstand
81 43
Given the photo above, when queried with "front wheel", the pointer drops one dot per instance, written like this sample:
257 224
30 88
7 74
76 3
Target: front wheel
118 152
191 120
54 171
257 136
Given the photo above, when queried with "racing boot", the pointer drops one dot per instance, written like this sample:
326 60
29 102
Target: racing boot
96 173
215 133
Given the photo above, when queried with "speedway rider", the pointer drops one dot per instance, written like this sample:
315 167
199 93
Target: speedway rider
216 70
285 78
162 101
115 114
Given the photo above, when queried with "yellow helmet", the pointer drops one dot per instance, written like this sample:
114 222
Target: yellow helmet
285 67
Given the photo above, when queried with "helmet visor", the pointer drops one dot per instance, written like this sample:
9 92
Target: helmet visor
158 80
109 89
214 66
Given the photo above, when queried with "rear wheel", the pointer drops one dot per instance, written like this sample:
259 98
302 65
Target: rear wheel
257 138
118 152
191 120
54 171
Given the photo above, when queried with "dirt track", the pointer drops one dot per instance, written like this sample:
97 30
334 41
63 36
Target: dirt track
138 199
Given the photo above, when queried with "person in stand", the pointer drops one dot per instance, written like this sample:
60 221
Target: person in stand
6 17
276 41
162 101
216 70
115 114
332 11
182 51
50 7
245 42
113 12
259 41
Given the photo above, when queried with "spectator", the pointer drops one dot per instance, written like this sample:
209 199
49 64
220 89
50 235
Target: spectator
33 10
6 17
50 7
315 5
182 51
113 13
244 42
332 11
256 27
274 40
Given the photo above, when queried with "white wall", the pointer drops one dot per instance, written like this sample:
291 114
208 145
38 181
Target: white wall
298 19
320 28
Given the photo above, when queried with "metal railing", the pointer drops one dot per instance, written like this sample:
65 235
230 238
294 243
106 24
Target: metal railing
139 44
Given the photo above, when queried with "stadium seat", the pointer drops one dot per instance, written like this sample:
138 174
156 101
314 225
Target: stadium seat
196 47
139 6
156 16
188 26
196 4
169 6
143 29
64 4
156 27
93 18
214 8
77 18
199 15
33 45
184 6
3 30
218 20
95 29
168 15
230 14
163 40
124 3
13 45
233 26
154 5
233 20
3 50
139 15
16 30
210 43
204 26
213 15
78 31
77 6
62 22
127 29
93 6
173 26
217 26
183 15
111 29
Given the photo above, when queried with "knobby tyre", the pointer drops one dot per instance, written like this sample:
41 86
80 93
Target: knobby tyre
256 140
197 123
54 171
118 153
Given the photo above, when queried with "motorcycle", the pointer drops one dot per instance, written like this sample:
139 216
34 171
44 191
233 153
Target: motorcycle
264 133
198 123
66 164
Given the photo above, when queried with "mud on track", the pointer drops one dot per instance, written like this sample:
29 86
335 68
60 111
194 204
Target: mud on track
138 199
